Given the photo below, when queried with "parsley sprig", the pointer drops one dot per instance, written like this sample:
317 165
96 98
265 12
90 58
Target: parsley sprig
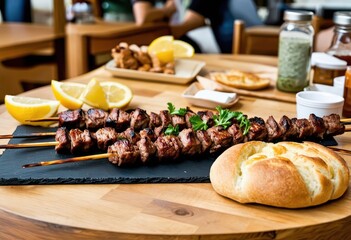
198 123
225 116
173 111
172 130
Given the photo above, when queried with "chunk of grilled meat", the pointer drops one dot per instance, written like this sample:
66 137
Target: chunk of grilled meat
187 117
305 128
220 137
64 143
105 137
147 149
81 141
118 119
190 144
237 133
124 153
131 135
258 130
204 139
168 148
72 119
206 116
289 128
178 120
317 125
95 118
139 119
333 125
274 131
155 120
165 117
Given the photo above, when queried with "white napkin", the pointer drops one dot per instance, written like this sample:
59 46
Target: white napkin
215 96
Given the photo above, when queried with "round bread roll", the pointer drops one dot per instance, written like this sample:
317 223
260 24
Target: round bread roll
285 174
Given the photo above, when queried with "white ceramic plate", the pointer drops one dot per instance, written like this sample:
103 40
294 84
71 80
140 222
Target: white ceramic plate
185 71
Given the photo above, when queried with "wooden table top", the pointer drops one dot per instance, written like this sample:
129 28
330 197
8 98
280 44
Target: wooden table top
18 39
163 211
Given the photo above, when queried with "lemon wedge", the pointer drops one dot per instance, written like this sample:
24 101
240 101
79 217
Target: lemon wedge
28 108
182 49
68 93
117 94
162 48
94 95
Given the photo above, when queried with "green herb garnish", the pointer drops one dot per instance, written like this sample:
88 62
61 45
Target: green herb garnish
224 119
172 130
198 123
174 111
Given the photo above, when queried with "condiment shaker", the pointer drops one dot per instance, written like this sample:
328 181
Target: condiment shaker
295 49
346 111
341 43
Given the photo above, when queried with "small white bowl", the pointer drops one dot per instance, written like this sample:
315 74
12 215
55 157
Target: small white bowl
319 103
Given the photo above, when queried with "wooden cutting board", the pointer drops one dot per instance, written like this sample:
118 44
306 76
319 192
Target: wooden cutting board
265 71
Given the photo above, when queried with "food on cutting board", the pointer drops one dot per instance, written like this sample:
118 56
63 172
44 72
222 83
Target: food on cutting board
241 80
285 174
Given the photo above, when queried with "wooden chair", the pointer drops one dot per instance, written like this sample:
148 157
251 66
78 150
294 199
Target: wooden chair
261 40
42 65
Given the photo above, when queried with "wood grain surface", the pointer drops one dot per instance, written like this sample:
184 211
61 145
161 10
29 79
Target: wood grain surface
163 211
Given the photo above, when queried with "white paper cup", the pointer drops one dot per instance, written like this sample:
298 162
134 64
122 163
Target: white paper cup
319 103
339 83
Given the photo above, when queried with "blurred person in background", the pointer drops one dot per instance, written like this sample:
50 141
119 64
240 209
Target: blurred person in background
169 11
220 15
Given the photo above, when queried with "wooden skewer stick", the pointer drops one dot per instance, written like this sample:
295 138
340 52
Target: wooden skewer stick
345 120
44 134
29 145
68 160
43 119
344 151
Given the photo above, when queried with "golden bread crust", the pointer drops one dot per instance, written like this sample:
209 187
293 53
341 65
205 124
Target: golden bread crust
241 80
285 174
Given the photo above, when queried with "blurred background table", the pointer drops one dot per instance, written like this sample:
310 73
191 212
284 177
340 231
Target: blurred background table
163 211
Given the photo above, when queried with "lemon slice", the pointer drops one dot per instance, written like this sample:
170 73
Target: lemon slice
162 47
182 49
27 108
94 95
117 94
68 93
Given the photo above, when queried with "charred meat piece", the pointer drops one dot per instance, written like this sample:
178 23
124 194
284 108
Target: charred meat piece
95 118
289 128
123 152
274 131
204 139
148 132
257 131
155 120
159 131
111 120
191 145
220 137
122 121
178 120
206 116
187 117
317 125
64 145
333 125
81 141
72 119
165 117
237 133
132 136
146 148
139 119
168 148
305 128
105 137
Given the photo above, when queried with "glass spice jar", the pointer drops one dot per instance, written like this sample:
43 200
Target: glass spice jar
295 49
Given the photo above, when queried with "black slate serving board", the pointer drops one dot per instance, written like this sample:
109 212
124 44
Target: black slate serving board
187 170
190 169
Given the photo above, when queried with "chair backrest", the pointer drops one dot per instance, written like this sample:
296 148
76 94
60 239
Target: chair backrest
261 40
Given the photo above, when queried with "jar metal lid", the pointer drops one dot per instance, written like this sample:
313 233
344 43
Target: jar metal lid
342 18
298 15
